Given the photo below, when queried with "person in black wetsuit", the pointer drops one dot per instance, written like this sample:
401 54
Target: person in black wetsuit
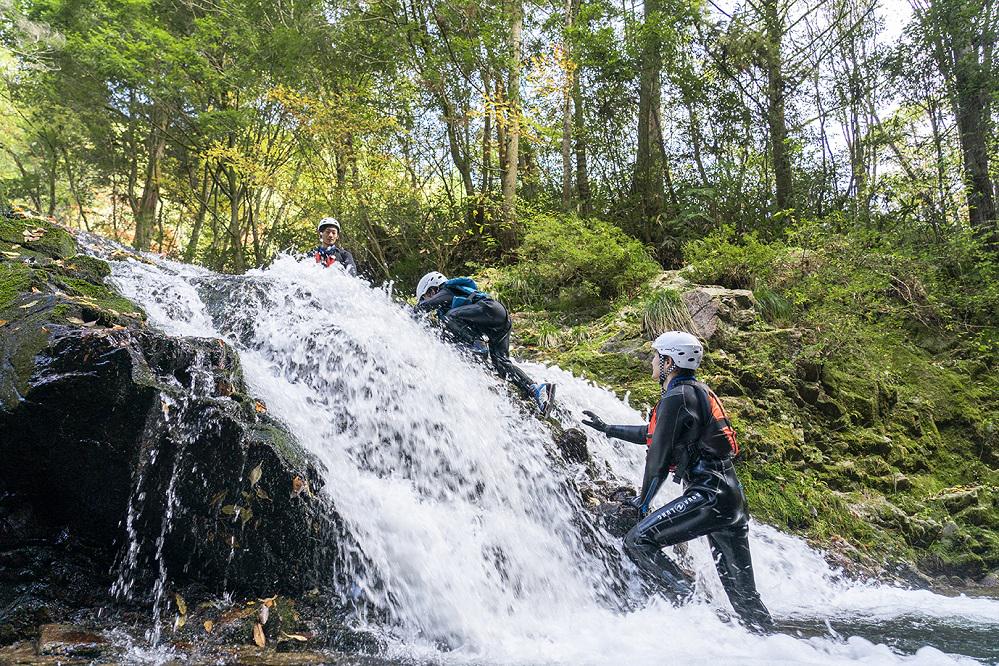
327 253
690 436
466 315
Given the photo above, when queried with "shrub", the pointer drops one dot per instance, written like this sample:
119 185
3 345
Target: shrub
566 262
726 259
774 308
665 311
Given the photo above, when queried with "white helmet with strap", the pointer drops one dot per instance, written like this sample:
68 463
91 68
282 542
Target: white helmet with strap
328 222
685 350
432 279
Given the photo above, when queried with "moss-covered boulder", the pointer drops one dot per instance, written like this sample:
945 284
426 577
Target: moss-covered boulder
131 452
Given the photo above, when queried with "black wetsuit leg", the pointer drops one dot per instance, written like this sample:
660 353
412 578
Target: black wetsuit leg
734 563
713 506
490 317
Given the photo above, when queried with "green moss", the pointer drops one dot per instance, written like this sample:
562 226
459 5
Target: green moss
99 295
55 242
88 268
15 278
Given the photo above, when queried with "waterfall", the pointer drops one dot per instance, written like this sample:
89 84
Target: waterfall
478 544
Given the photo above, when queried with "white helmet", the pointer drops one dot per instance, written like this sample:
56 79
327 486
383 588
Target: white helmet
327 222
432 279
683 348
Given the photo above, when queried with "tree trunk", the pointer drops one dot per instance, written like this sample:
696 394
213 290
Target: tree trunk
512 151
487 139
235 231
647 183
974 127
460 160
776 112
145 210
585 205
567 111
199 221
74 189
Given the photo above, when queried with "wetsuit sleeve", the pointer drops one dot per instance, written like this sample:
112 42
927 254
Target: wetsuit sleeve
676 421
630 433
441 298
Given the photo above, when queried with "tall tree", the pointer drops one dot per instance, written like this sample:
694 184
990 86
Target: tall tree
961 35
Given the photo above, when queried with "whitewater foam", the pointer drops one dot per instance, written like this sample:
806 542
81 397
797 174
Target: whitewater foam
479 548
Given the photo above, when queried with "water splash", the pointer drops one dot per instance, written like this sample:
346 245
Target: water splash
477 543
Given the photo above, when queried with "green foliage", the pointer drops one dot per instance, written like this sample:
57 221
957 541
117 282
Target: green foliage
568 262
732 260
774 308
665 311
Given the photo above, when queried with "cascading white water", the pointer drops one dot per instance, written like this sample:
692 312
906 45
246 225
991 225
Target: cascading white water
478 546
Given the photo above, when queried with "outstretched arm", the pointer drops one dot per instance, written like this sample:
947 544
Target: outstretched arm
442 297
633 434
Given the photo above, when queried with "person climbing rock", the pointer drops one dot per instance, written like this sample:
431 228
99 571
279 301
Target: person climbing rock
327 253
690 436
467 315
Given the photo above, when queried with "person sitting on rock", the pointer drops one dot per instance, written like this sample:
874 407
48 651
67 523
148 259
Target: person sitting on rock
467 315
690 436
327 253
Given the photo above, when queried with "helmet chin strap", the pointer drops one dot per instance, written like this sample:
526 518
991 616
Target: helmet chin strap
663 371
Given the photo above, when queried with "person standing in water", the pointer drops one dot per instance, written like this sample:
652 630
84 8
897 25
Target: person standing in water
327 253
467 314
690 436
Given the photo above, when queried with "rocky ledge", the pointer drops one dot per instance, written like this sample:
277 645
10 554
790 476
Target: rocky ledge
138 473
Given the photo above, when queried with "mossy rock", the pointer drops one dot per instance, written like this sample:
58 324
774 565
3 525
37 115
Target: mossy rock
15 279
36 237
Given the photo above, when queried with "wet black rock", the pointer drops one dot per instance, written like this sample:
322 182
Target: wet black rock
131 458
572 444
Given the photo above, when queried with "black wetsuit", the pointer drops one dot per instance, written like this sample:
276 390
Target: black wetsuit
468 323
327 256
712 505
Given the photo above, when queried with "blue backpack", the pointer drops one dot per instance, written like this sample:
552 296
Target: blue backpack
465 290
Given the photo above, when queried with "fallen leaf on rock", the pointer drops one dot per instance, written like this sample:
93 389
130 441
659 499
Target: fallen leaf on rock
269 601
29 305
260 407
3 322
299 486
255 474
181 604
181 621
209 625
258 635
229 509
74 320
117 327
263 614
90 324
295 637
36 290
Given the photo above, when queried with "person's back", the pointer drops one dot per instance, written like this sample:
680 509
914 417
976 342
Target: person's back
467 314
